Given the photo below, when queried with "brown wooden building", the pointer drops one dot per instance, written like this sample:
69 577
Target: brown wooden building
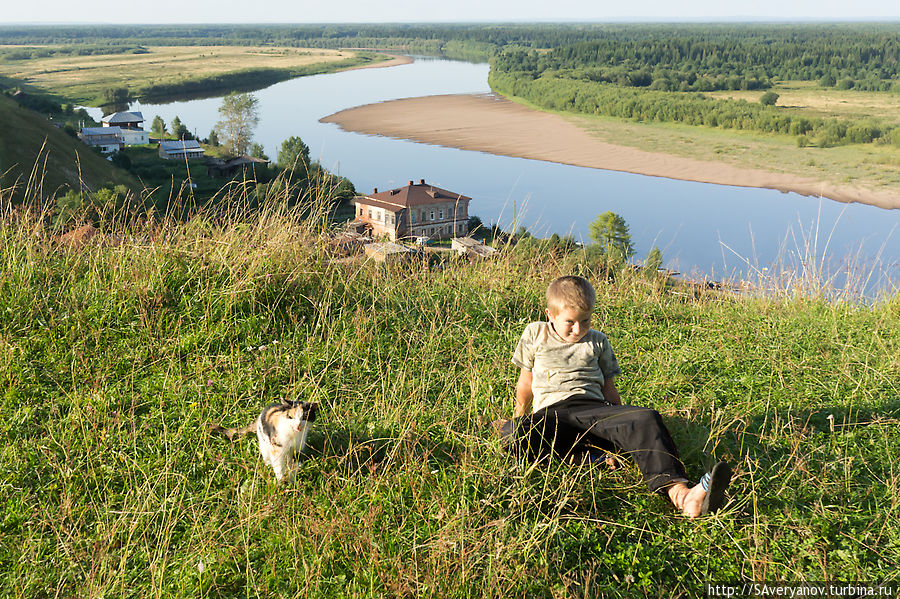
416 210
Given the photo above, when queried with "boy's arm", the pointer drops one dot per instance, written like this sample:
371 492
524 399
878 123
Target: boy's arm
610 393
524 394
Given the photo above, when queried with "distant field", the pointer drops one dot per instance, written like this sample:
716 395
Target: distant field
870 165
85 78
815 101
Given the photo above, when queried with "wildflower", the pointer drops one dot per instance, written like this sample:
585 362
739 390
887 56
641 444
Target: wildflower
201 567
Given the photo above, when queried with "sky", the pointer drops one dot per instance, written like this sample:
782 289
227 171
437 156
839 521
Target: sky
417 11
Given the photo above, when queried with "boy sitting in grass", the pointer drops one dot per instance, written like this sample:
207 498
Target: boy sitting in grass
566 400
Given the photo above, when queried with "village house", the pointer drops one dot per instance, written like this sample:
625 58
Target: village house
129 125
107 139
180 150
414 211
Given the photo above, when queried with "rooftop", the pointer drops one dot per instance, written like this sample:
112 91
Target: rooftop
123 117
101 131
179 145
414 194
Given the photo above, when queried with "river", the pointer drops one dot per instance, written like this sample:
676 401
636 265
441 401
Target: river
702 229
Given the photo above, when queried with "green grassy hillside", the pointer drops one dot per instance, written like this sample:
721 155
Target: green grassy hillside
114 360
36 156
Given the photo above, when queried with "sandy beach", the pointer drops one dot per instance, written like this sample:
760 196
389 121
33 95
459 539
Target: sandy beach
488 123
396 60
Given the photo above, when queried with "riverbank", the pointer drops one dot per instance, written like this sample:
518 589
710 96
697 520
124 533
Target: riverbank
489 123
394 60
167 72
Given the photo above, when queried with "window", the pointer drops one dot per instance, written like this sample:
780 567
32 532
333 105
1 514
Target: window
442 214
432 215
370 213
412 216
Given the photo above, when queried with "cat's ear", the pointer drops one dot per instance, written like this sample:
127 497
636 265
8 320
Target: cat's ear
287 402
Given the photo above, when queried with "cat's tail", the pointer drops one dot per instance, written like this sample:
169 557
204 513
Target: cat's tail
233 434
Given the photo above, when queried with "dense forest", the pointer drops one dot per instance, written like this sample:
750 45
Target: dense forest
716 58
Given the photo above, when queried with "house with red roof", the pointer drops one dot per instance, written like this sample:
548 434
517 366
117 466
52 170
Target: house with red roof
416 210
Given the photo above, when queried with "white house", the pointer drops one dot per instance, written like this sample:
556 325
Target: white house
108 139
129 123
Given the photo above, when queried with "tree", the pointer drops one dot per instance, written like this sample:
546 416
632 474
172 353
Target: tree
158 128
654 261
769 98
213 139
293 153
239 119
115 95
179 130
610 232
257 151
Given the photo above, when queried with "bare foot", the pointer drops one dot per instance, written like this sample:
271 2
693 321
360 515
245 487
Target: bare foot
687 499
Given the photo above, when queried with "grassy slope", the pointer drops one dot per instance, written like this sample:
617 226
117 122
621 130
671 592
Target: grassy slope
28 141
113 361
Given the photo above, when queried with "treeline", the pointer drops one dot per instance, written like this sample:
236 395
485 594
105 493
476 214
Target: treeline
723 58
556 93
453 41
862 52
28 53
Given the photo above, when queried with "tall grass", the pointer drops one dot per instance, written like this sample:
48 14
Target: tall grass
114 358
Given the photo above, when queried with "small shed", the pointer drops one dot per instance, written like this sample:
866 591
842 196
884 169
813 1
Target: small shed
349 243
180 150
216 167
388 252
473 248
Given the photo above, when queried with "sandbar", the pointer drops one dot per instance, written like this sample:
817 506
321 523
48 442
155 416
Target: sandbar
395 61
493 124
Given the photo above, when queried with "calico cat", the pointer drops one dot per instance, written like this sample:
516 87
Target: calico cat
281 429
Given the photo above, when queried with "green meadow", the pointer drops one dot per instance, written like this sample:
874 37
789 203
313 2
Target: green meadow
116 356
163 72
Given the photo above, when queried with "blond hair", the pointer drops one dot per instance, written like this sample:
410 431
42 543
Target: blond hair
570 292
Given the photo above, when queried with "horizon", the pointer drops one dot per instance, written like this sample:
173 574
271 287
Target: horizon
619 20
358 12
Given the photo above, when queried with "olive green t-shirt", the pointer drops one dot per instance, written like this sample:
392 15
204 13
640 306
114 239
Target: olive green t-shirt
561 369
